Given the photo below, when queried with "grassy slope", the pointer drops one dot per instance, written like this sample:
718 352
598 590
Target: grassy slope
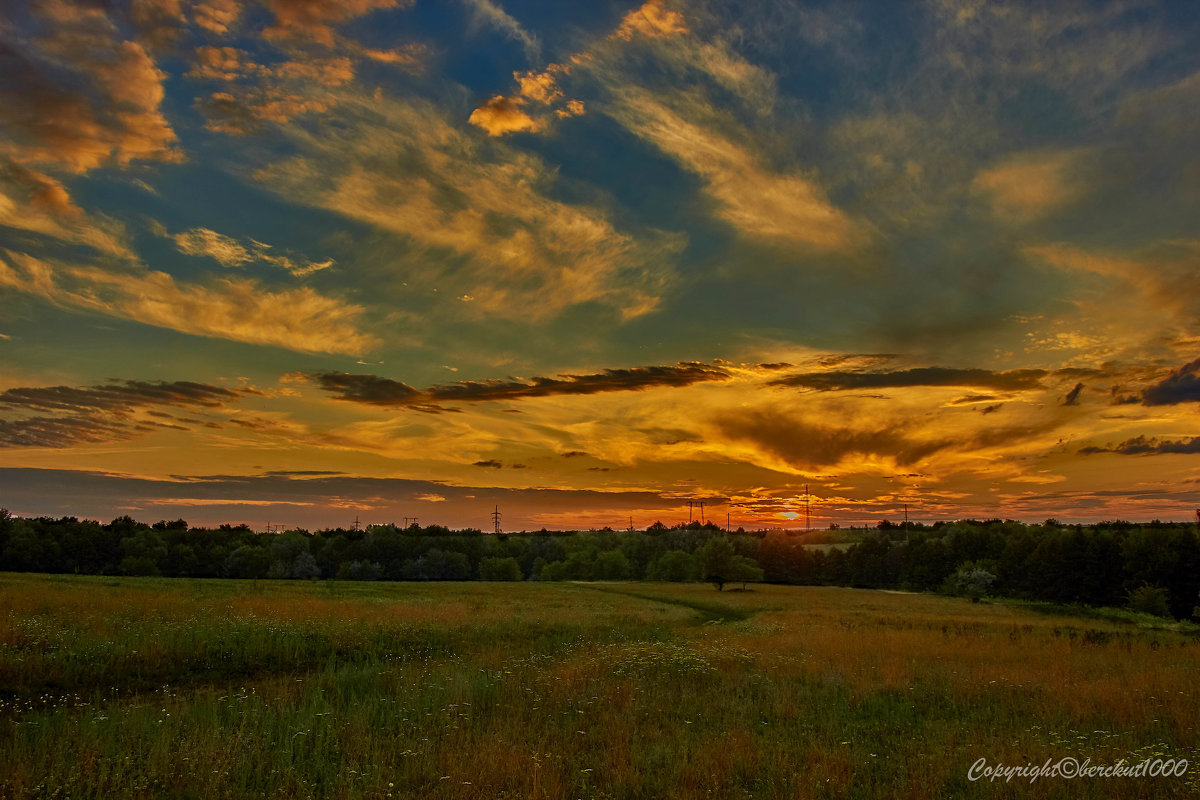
160 688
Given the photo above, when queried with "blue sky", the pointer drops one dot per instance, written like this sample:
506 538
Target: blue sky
590 261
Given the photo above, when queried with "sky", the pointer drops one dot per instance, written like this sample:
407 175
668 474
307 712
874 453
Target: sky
301 262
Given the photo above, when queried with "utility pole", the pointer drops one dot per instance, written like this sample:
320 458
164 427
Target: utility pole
631 523
689 512
701 512
807 510
496 519
728 527
356 523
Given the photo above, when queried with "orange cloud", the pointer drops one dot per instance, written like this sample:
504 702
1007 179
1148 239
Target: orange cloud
1030 186
508 113
315 19
216 16
652 20
240 310
502 115
757 202
111 116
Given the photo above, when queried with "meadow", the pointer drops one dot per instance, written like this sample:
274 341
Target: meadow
141 687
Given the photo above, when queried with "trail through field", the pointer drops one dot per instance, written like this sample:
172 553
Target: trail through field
709 612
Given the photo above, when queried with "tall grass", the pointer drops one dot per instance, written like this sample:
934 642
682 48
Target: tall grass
145 688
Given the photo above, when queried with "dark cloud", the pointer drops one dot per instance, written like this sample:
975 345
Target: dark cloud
1141 446
1181 386
63 431
374 390
490 464
310 501
806 445
94 414
971 399
920 376
120 395
369 389
1072 398
991 409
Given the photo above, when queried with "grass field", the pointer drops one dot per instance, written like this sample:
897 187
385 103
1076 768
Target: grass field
115 688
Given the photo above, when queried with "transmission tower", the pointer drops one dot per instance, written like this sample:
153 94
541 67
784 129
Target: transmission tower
807 510
496 519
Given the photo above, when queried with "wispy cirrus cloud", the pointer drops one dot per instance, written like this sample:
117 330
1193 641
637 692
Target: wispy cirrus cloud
230 252
480 216
236 309
485 13
756 201
1028 186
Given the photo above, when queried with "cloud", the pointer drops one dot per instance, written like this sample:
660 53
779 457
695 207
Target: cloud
476 214
103 413
1181 386
652 20
502 115
205 242
489 464
121 395
1141 446
316 19
60 432
216 16
486 13
757 202
229 252
237 309
538 100
374 390
1013 380
1031 185
34 202
82 96
331 500
807 445
1072 398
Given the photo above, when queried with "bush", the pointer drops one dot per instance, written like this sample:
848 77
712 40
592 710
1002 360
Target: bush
973 581
1149 599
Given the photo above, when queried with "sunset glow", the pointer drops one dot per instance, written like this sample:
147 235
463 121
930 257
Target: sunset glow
301 261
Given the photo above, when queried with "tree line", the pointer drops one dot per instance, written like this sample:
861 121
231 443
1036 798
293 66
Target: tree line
1154 566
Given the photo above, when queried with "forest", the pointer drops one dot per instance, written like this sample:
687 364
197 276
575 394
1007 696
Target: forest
1152 567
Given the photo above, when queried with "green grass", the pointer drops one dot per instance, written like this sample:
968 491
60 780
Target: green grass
223 689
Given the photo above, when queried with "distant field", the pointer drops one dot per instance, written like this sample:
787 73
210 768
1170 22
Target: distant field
114 688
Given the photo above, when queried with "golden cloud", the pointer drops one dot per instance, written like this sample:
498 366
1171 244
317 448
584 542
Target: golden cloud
529 256
112 117
652 19
502 115
757 202
239 310
315 19
1031 185
216 16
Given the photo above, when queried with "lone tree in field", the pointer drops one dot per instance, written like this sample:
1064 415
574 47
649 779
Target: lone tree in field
716 561
720 565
